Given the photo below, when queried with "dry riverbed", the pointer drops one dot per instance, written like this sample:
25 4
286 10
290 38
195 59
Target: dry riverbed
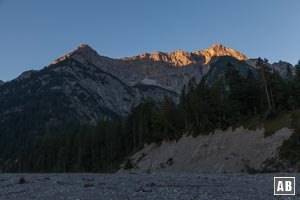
124 186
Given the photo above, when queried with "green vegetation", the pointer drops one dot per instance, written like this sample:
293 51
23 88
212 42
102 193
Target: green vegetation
280 121
290 150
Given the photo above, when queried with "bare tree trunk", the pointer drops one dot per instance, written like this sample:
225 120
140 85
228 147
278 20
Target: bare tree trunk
266 87
272 98
134 138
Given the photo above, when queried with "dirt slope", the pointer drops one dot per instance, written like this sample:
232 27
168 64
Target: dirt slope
222 151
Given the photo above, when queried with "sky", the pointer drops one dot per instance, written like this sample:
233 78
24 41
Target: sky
33 32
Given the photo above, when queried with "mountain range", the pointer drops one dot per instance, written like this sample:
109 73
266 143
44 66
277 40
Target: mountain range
86 87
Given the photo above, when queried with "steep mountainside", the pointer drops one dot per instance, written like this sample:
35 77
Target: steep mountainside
282 67
85 86
173 70
45 115
70 90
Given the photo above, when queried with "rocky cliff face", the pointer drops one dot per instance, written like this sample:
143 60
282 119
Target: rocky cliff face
181 58
1 82
220 50
173 70
283 68
166 70
85 86
70 90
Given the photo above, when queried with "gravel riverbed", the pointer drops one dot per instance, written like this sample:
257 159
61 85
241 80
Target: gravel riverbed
126 186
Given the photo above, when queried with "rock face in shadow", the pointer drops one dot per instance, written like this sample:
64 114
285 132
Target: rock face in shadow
238 150
86 87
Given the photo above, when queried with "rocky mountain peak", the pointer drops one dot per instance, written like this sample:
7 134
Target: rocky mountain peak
1 82
182 58
83 49
26 74
181 53
220 50
157 56
176 58
84 46
217 47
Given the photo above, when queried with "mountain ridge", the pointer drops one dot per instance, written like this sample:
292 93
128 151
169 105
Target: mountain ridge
98 87
85 89
180 58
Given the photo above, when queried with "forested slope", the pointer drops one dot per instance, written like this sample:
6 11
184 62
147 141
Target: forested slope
253 99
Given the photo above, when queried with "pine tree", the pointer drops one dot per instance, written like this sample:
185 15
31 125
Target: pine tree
236 86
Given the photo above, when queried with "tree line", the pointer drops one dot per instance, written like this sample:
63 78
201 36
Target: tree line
202 108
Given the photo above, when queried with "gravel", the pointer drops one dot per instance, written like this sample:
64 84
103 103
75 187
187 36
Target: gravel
128 186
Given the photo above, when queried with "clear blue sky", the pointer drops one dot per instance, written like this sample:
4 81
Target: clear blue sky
34 32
